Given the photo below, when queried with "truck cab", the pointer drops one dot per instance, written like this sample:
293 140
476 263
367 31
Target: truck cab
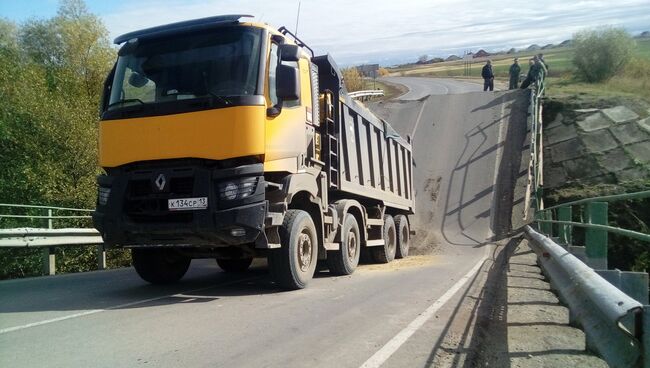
211 142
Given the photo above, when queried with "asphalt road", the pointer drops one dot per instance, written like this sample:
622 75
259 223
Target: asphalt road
391 315
420 87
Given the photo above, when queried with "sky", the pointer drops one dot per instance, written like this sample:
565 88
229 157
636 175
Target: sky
378 31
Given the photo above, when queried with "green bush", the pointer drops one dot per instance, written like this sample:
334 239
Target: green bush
601 54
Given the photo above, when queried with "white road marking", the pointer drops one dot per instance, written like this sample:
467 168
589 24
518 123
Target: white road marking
417 121
95 311
382 355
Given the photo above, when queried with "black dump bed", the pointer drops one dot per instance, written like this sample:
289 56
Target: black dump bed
364 155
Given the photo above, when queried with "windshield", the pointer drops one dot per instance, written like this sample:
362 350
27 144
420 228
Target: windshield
215 65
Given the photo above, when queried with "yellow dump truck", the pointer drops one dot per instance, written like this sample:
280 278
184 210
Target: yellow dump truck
227 139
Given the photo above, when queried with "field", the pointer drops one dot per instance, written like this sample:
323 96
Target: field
633 81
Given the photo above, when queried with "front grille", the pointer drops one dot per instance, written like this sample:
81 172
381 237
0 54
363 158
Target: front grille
182 185
177 186
140 188
167 218
143 204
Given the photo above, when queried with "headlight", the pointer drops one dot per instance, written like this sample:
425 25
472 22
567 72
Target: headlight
102 195
239 189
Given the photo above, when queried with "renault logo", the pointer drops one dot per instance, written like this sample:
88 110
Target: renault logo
160 182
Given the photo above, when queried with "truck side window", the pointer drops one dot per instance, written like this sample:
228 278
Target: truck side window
295 102
273 65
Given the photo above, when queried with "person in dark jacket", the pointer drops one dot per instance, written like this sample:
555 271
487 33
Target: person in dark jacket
515 69
488 76
540 57
533 72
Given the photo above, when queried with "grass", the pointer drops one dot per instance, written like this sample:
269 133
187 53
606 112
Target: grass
634 81
390 90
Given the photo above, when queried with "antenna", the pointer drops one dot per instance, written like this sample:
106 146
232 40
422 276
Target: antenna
297 18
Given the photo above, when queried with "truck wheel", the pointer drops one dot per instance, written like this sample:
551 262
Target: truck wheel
403 236
293 265
159 266
345 260
386 253
234 265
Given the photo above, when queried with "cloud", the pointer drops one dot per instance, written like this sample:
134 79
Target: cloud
380 30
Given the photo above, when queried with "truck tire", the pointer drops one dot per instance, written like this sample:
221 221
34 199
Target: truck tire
159 266
234 265
345 260
386 253
403 236
294 264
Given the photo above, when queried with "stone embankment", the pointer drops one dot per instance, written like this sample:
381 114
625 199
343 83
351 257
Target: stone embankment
597 146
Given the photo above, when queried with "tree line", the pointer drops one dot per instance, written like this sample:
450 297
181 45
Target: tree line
50 86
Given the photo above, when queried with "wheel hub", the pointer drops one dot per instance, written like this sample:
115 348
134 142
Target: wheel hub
352 244
305 252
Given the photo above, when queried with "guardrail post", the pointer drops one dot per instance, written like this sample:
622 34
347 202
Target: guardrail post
596 240
565 232
49 219
101 257
547 228
49 261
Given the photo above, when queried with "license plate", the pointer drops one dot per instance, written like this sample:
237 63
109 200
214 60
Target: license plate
187 204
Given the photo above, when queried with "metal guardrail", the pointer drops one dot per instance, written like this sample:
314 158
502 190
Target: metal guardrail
48 238
38 238
610 305
611 319
366 93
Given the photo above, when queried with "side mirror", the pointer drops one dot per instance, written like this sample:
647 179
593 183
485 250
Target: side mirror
289 52
288 83
137 80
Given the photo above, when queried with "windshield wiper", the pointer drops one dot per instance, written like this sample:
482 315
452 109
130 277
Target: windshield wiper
122 102
222 99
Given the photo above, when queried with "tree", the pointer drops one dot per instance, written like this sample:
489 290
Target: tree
8 34
50 85
352 79
423 59
600 54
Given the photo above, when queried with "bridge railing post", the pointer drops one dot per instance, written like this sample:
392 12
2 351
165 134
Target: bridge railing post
101 257
595 239
547 228
565 232
49 254
49 261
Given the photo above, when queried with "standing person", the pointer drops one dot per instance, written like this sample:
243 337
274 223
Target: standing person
540 57
533 70
488 76
542 66
515 69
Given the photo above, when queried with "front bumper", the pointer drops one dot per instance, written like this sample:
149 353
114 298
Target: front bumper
135 211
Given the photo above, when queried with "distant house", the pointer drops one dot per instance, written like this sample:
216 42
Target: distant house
533 47
453 58
481 53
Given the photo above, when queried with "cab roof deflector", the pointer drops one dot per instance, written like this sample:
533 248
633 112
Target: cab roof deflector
184 26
